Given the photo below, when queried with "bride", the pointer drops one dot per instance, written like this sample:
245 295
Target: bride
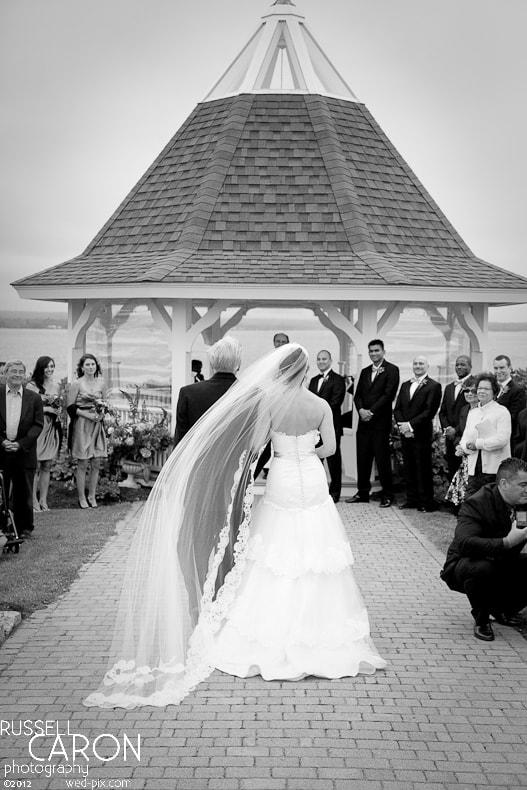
212 584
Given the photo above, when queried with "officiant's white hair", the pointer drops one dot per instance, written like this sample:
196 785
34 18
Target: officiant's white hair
225 356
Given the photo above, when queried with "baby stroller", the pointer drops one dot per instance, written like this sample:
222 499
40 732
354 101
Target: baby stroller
9 540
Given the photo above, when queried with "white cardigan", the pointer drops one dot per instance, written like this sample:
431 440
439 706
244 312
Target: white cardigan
489 427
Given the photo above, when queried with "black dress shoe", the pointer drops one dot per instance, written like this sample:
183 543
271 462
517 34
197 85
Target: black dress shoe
357 498
511 620
385 501
484 632
428 508
406 506
335 498
26 536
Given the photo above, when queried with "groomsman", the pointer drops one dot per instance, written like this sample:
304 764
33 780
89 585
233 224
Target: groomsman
21 422
511 395
332 388
376 391
416 406
280 339
453 402
225 358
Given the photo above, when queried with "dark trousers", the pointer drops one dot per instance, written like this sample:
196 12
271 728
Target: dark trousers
492 585
453 461
475 482
418 475
20 480
334 463
373 443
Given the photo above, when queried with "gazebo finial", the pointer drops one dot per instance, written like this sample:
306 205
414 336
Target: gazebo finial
282 57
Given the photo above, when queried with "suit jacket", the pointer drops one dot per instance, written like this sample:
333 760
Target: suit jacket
333 391
420 410
519 444
514 399
195 399
451 406
484 520
377 396
29 427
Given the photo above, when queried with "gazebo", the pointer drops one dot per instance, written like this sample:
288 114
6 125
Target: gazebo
280 189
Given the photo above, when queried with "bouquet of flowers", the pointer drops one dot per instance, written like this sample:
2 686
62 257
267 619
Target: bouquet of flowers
138 440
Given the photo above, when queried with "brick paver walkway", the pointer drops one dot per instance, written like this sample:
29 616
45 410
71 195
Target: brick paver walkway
449 711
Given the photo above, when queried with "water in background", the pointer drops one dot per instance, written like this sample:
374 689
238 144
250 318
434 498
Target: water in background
141 354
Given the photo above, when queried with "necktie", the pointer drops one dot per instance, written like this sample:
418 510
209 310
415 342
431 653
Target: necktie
457 387
374 372
321 381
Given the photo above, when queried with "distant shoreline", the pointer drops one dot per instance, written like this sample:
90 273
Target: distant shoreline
10 319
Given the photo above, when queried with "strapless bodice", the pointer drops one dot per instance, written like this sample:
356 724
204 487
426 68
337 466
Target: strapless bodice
287 445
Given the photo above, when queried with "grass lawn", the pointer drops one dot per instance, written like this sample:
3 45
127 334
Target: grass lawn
64 539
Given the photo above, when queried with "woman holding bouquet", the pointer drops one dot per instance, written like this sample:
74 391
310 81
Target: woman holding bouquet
49 441
87 440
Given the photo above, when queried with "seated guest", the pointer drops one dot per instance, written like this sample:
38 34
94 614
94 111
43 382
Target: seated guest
225 358
484 561
21 422
487 434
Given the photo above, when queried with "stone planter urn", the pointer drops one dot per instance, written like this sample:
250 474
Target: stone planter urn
132 469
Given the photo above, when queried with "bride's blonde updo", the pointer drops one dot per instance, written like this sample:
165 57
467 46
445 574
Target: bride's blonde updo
294 366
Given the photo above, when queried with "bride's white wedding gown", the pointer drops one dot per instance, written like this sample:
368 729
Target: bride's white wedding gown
298 610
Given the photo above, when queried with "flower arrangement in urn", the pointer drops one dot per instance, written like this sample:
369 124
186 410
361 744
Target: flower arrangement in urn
140 438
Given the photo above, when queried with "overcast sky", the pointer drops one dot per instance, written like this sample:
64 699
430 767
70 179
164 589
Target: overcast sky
91 91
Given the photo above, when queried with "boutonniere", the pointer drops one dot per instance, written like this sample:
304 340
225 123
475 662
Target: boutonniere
380 370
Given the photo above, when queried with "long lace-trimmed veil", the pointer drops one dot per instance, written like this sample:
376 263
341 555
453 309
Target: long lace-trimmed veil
189 550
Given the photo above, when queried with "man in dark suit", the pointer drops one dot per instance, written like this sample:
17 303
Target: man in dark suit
453 402
511 395
376 391
225 358
519 442
484 561
416 406
332 387
21 422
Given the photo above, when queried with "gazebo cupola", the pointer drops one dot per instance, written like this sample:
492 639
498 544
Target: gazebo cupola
282 57
280 189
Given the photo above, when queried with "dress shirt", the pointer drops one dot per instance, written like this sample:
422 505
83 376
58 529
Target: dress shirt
13 411
503 386
416 382
323 378
375 371
458 385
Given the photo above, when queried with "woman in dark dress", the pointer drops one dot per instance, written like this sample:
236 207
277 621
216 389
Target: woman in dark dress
48 443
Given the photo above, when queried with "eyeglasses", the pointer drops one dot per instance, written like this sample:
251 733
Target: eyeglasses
484 389
469 391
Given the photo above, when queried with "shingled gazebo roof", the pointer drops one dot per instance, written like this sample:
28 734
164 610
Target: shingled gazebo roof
289 186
